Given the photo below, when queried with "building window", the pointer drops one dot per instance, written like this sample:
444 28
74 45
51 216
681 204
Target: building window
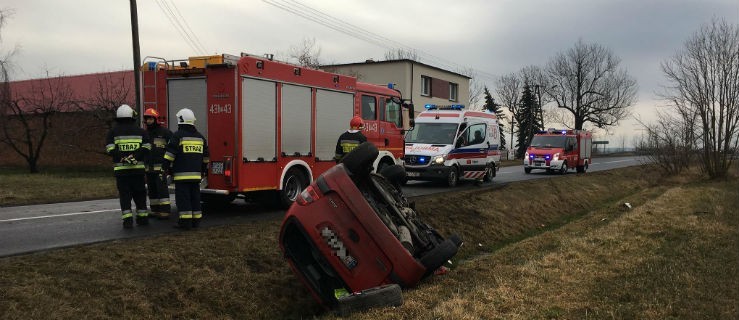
453 88
425 86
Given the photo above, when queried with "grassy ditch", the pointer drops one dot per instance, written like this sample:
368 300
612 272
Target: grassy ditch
575 252
18 187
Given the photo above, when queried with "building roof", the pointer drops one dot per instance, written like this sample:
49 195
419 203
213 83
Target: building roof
84 87
371 62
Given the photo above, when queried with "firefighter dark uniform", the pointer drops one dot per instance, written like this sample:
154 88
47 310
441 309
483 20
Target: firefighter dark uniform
187 154
128 145
350 139
155 176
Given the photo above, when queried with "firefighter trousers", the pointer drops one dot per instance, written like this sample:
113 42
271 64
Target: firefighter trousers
158 191
132 187
187 197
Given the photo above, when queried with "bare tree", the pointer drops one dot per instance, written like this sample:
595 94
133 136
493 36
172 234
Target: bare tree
307 53
590 85
666 145
109 93
28 117
704 80
401 54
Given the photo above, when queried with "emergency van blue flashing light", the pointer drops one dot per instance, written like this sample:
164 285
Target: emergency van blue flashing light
531 156
421 159
430 106
547 157
457 106
564 131
391 85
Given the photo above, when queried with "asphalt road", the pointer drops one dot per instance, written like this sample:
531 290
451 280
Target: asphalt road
25 229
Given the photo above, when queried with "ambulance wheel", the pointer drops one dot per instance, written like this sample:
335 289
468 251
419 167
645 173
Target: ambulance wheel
488 174
563 169
527 170
360 160
381 296
292 185
452 177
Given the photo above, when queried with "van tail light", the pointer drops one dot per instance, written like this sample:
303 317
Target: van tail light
228 170
309 195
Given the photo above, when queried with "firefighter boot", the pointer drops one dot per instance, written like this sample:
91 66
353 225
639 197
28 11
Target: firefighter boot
184 224
142 220
128 223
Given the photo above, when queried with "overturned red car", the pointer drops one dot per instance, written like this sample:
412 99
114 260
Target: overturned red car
353 230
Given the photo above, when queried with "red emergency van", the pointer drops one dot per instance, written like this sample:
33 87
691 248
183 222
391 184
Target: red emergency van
558 150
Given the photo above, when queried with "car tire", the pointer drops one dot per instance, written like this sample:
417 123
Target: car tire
293 184
452 177
359 161
394 173
381 296
439 255
488 174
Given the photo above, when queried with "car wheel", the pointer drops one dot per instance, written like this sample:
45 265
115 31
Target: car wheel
292 185
360 160
439 255
453 177
563 169
382 296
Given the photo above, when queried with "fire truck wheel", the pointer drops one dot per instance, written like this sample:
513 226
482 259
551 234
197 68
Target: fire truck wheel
527 170
453 177
382 296
360 160
582 169
563 170
439 255
292 185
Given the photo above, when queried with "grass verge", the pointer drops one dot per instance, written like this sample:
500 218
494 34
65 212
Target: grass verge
18 187
574 253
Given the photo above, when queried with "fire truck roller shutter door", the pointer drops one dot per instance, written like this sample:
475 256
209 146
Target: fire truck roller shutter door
296 120
259 118
333 111
188 93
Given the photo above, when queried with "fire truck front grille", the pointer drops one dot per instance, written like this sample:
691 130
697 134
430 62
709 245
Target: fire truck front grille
416 160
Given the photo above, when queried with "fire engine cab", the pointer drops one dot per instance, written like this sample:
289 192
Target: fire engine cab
271 126
448 143
557 150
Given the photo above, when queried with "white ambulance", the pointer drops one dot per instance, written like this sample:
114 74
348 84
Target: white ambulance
448 143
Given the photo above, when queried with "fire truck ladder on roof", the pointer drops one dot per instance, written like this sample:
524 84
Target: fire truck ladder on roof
149 81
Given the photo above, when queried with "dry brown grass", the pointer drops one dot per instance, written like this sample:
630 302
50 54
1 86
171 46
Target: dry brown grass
561 257
18 187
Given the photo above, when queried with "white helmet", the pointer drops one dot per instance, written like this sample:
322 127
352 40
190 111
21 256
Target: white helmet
124 112
185 116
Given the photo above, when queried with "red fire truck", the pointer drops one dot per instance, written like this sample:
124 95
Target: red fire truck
557 150
271 127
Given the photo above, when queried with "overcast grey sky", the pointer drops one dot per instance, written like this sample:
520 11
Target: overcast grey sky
494 37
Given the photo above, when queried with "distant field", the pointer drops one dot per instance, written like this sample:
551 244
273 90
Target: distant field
564 248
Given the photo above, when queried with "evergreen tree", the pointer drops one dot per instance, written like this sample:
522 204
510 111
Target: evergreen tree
493 107
528 122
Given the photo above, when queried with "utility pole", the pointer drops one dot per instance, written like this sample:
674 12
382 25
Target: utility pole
136 54
513 123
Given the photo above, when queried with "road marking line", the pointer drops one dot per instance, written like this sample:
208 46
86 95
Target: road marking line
58 215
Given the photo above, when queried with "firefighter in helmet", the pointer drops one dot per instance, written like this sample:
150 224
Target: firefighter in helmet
187 157
155 176
350 139
128 145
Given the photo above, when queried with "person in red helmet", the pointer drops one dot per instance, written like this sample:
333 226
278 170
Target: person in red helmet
155 176
350 139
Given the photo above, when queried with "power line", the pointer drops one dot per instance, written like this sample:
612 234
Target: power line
195 36
167 11
342 26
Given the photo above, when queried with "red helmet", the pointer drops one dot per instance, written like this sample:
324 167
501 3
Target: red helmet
356 123
151 112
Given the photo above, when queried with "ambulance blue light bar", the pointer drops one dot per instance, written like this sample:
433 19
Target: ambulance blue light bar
444 107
